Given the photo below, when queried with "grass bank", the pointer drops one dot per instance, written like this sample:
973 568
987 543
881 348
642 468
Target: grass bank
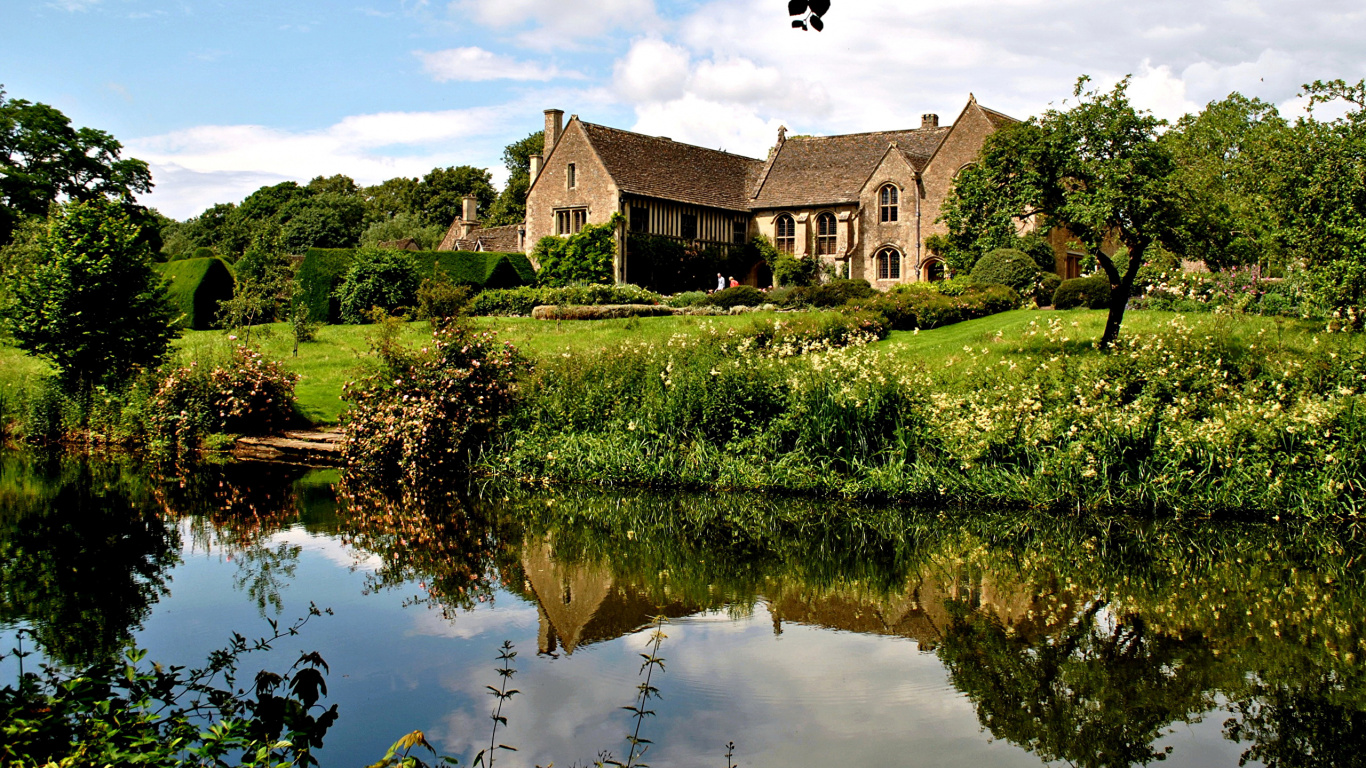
1211 414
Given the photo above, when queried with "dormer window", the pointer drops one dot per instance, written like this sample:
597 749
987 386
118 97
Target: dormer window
825 234
785 233
570 175
888 199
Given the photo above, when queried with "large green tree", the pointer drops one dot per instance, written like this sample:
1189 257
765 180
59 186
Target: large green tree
510 207
1320 193
92 303
44 159
1224 180
439 197
1098 169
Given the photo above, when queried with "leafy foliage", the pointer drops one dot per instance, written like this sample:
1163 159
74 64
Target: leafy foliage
424 411
1091 292
510 207
133 713
520 301
195 287
245 394
583 257
738 296
1008 267
92 305
377 277
44 159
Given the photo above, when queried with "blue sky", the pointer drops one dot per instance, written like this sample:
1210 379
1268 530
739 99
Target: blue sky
222 97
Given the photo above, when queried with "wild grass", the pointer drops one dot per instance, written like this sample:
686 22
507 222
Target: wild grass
1219 414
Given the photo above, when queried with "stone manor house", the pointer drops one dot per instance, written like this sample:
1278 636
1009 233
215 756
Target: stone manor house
865 202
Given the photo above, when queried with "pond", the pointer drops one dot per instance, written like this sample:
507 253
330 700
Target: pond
805 632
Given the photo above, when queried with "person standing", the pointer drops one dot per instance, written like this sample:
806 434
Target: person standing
720 282
734 283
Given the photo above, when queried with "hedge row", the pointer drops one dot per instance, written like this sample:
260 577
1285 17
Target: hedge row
324 268
925 308
521 301
194 287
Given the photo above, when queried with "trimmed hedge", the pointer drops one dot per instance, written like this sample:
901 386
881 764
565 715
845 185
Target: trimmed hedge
738 296
597 311
832 294
1007 266
925 309
195 287
1092 292
520 301
324 268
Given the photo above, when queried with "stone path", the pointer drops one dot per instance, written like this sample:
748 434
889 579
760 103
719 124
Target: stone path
322 445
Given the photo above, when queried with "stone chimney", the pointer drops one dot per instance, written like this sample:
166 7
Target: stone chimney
554 126
929 120
467 218
535 166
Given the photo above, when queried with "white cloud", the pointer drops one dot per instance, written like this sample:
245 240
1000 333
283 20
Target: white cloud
652 70
559 23
71 6
1158 90
196 167
475 64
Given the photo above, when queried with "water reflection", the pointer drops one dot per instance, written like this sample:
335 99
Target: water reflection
83 553
1078 640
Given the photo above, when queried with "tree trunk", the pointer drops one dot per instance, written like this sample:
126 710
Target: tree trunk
1119 294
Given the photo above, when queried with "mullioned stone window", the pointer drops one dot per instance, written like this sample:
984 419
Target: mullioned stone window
786 234
825 234
889 264
888 198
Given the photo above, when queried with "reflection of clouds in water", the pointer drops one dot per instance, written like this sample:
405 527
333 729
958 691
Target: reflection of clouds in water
330 547
808 697
498 623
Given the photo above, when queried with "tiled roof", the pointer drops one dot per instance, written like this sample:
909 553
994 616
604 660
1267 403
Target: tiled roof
824 170
657 167
503 239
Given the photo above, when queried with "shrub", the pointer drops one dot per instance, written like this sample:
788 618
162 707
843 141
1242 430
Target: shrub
584 257
422 414
835 293
789 270
1039 251
687 299
1092 292
1007 266
739 296
439 298
245 394
1048 285
377 278
519 302
926 308
597 311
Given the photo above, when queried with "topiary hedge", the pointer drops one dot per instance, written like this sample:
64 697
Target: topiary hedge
1007 266
1092 292
323 269
195 287
924 309
832 294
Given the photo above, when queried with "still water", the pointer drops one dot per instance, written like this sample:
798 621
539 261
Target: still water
808 633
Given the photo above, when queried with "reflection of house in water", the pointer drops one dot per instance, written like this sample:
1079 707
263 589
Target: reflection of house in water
921 613
581 604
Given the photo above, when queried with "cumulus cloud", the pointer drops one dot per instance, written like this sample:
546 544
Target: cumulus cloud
475 64
199 166
559 23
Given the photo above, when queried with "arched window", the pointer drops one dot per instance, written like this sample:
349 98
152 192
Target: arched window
786 239
889 264
825 234
888 199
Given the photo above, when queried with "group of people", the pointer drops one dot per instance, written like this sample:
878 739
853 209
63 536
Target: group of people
722 282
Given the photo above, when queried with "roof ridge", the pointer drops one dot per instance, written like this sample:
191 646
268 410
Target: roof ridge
671 141
869 133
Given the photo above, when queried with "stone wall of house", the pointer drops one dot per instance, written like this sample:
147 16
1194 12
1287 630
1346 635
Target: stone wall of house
960 148
593 188
846 228
877 234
